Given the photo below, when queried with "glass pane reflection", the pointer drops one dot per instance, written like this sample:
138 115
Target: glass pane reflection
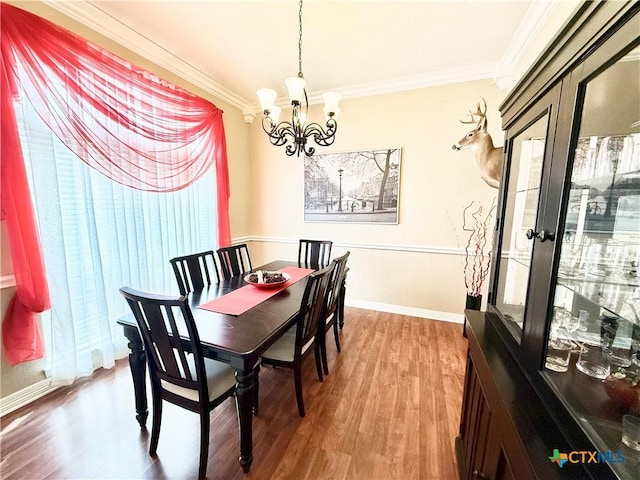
597 297
523 195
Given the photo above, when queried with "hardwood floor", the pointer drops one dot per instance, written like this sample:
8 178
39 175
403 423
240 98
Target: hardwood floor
389 409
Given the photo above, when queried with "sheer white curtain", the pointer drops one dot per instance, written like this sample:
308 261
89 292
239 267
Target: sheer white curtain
97 236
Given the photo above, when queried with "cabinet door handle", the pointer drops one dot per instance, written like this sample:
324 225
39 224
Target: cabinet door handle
542 235
477 475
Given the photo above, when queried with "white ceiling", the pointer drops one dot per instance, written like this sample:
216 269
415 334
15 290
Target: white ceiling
232 48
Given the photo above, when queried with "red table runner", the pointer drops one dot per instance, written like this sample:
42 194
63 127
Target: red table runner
247 297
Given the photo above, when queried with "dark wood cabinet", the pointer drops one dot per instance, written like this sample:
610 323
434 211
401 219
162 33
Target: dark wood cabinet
481 442
474 427
564 289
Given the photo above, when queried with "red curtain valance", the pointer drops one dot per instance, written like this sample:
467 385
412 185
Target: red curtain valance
121 120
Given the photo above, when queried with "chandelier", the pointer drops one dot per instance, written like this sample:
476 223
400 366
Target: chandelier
296 133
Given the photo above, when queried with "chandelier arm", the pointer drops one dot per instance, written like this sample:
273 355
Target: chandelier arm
277 133
285 128
274 138
322 137
325 141
292 149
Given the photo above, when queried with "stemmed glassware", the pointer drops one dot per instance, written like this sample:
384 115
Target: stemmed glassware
571 324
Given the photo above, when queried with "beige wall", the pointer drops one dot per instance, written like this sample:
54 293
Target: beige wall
395 265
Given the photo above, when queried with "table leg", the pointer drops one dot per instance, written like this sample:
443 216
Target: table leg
138 365
244 397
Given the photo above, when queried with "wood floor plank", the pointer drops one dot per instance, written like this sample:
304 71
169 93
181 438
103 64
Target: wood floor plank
389 409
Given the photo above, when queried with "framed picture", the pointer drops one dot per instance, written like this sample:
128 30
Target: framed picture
353 187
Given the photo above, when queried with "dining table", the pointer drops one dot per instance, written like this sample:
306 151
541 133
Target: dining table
238 339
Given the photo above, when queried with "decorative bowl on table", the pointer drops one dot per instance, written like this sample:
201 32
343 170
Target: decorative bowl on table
266 279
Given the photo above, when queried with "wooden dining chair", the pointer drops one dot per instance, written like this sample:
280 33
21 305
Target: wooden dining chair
178 371
334 308
234 260
314 253
300 340
195 271
343 295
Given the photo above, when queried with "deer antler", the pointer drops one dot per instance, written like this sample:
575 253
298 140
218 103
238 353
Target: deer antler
487 158
480 112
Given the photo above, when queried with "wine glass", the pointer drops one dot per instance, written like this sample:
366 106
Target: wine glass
570 323
557 322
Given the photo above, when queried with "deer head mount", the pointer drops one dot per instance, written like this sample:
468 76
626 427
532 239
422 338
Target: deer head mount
486 158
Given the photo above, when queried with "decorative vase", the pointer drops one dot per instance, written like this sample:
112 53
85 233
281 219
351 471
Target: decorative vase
473 303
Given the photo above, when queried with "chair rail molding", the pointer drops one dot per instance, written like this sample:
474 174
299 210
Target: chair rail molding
361 245
7 281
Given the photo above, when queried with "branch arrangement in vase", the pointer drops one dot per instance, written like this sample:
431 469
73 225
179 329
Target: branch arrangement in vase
479 227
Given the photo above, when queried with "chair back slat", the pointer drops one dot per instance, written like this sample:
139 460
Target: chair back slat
311 307
194 272
314 253
335 283
235 260
170 339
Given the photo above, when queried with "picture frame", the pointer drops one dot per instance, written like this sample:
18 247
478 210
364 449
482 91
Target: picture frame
360 186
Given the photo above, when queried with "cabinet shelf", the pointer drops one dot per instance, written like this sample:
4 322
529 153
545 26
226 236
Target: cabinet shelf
605 179
526 191
584 396
609 293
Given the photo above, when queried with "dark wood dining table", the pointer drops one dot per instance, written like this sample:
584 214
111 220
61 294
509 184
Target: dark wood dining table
237 340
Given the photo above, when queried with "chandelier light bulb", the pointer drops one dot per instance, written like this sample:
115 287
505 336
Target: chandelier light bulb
302 118
331 113
274 114
331 100
295 85
267 98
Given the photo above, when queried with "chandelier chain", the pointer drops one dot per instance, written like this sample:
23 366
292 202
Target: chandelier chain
300 41
295 135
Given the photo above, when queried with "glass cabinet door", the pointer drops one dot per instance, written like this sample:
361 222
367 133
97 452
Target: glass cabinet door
520 214
593 348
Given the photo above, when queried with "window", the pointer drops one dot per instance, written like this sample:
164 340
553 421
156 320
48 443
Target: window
97 236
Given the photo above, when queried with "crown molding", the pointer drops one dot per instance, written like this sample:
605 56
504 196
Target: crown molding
94 18
425 80
501 72
536 17
395 85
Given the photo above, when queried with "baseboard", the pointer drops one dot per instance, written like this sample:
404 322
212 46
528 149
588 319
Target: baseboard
25 396
409 311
